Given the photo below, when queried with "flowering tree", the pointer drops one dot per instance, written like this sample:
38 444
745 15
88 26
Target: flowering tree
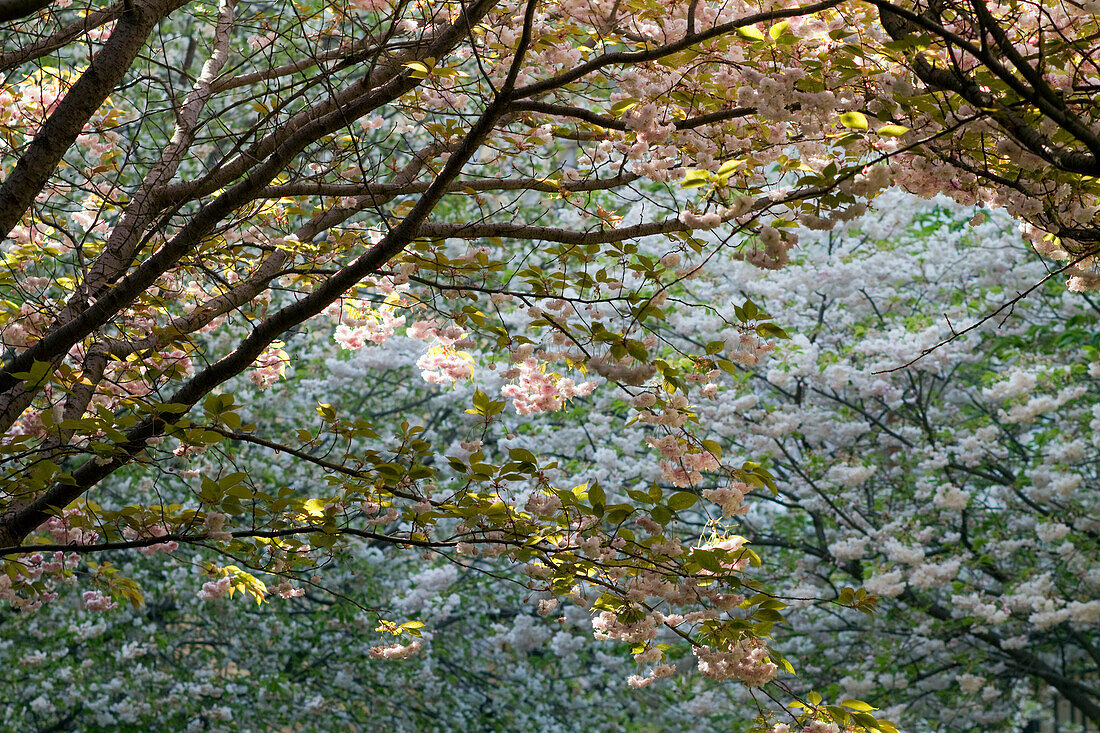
927 654
958 490
188 189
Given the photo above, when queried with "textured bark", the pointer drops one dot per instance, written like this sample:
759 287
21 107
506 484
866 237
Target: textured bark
22 520
16 9
61 129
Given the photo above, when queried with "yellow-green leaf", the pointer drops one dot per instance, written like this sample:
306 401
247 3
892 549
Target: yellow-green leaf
751 32
854 120
858 705
892 130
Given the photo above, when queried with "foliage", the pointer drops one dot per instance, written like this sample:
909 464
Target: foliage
192 194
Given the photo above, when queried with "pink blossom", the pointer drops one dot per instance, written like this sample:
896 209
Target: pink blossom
95 600
536 391
270 366
443 364
155 530
215 589
395 651
375 327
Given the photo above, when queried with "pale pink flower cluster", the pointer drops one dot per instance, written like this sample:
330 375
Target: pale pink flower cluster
820 726
374 327
270 366
395 651
27 328
96 147
1083 281
971 684
623 372
373 122
536 391
748 349
886 584
607 626
769 252
1041 404
730 498
214 589
155 530
951 498
688 470
443 364
659 671
543 505
30 586
441 334
63 534
102 33
710 220
445 361
214 524
258 43
724 547
706 380
682 465
674 411
746 661
95 600
30 423
39 95
286 590
370 6
650 123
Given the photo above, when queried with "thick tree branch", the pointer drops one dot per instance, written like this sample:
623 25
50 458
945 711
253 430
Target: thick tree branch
15 395
65 123
23 520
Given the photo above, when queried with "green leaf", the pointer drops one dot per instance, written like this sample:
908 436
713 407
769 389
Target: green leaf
751 32
682 500
727 366
858 705
621 107
596 495
695 179
730 166
521 454
892 130
854 120
481 401
619 514
771 330
419 69
661 515
866 720
37 372
707 561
